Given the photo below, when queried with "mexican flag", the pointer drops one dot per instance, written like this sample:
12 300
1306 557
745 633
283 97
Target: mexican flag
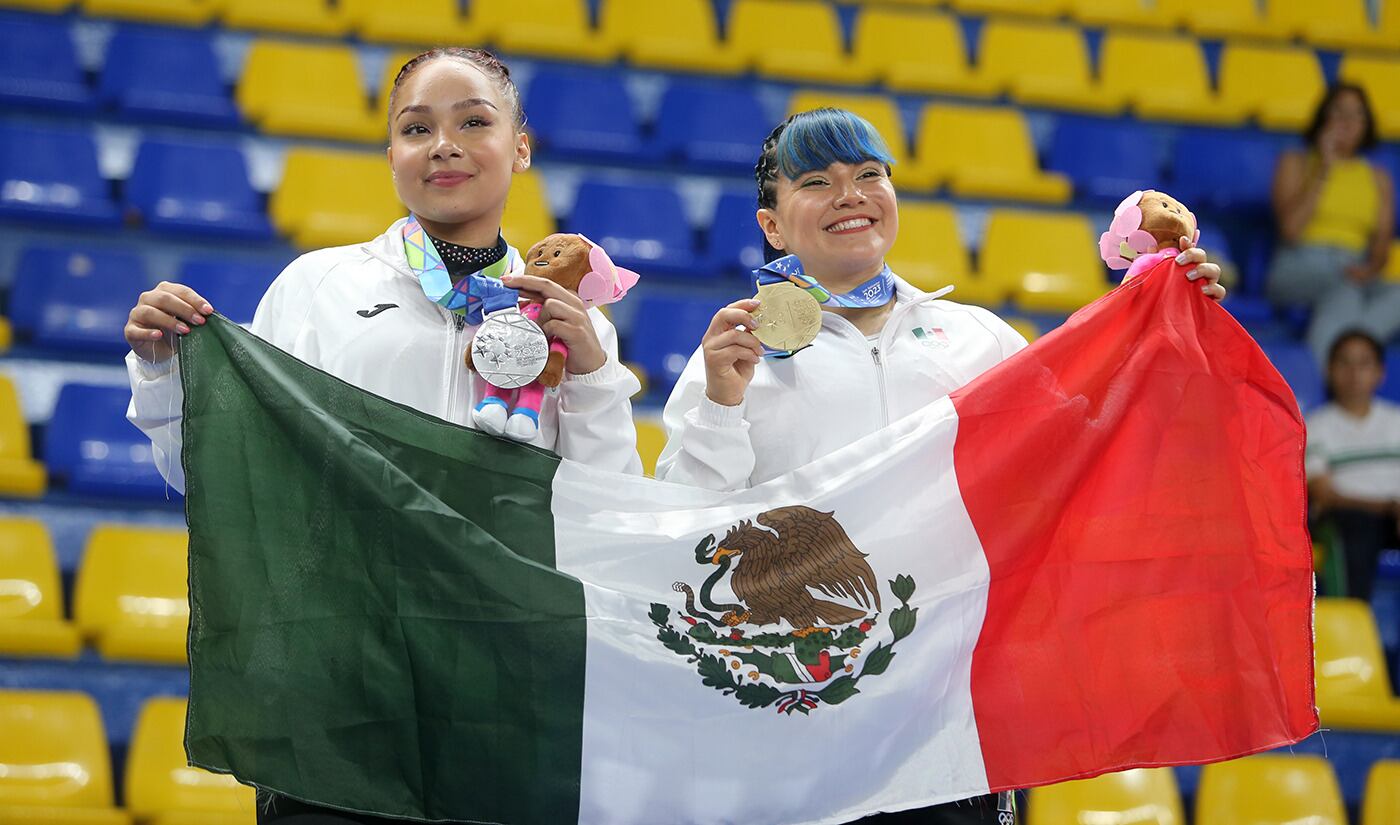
1093 557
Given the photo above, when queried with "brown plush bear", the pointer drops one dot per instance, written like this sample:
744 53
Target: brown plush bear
1166 219
1147 226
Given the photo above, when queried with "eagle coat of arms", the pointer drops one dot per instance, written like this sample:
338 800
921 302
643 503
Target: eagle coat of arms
807 602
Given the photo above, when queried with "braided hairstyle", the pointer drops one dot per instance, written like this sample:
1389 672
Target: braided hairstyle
488 63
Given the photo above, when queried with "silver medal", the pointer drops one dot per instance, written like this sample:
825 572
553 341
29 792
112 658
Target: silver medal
509 350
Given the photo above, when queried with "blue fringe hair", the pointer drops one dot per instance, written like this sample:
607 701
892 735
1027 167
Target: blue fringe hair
816 139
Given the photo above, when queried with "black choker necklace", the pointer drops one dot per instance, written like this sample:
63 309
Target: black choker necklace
464 260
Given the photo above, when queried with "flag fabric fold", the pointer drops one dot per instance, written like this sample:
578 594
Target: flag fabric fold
1093 557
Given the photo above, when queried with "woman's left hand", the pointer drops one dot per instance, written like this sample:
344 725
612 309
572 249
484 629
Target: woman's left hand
563 315
1207 274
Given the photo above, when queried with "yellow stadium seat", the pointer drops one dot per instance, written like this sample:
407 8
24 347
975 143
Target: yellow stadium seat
651 440
985 152
1268 789
423 22
1279 85
162 789
1119 13
334 198
20 474
50 6
1220 18
1353 688
1380 76
1042 64
1047 260
31 597
1132 65
1381 804
392 64
7 335
882 113
930 254
291 16
1345 23
527 218
54 764
1392 265
1038 8
914 51
547 28
131 596
676 34
1389 23
791 39
1137 797
1029 329
179 12
307 91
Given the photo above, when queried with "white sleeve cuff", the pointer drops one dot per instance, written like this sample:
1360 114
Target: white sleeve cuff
152 372
710 414
610 371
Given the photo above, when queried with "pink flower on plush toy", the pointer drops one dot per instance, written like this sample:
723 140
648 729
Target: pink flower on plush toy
607 282
1125 239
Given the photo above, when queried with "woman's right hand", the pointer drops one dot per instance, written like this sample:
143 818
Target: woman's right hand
160 315
731 353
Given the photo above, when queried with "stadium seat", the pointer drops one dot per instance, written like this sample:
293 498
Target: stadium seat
1278 85
677 34
1143 795
556 29
1381 805
31 602
163 790
38 65
641 225
1042 64
1104 13
1107 159
90 445
166 75
583 114
306 91
75 298
177 12
232 287
1353 688
194 188
810 47
651 440
1224 169
1220 18
1028 329
131 596
984 152
883 114
334 198
54 763
20 475
50 173
1380 76
1270 789
1048 261
715 126
1298 366
1131 66
665 331
1037 8
930 254
734 244
913 51
1346 24
49 6
528 217
291 16
420 22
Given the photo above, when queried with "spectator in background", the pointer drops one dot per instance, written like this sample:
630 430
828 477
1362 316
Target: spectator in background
1336 220
1353 458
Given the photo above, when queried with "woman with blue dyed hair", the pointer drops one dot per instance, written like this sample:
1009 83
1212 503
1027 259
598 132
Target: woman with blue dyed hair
741 415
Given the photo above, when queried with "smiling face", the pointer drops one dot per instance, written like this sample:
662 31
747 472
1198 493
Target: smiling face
561 258
1166 219
840 221
453 147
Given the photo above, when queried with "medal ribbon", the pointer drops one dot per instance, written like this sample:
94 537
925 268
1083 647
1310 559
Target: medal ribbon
481 291
873 293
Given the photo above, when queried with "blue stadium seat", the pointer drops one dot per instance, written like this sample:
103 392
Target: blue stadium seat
1224 169
665 331
584 113
734 244
89 443
641 225
1107 160
65 298
1296 363
1388 158
1390 387
38 65
204 189
168 75
233 288
51 173
718 126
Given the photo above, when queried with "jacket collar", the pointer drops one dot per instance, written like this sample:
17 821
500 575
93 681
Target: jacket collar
388 249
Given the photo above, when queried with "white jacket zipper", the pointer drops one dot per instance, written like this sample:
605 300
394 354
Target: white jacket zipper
455 364
880 381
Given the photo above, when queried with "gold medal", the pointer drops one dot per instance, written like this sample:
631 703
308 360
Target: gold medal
788 317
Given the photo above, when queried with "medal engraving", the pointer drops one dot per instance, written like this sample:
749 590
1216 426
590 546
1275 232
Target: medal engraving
509 350
788 317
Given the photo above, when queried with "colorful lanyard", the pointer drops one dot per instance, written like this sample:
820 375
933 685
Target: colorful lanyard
873 293
469 296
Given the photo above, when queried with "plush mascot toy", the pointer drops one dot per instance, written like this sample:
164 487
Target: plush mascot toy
1147 227
580 266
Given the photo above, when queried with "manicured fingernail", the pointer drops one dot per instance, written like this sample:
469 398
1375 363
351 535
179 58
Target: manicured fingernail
1206 289
1192 274
207 310
1181 259
155 333
199 319
182 329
